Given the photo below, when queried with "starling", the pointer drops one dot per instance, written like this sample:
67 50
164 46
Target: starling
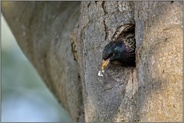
122 48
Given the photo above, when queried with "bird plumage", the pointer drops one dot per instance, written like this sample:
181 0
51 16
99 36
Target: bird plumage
122 48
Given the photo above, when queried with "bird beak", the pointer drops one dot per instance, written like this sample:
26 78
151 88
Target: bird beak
105 63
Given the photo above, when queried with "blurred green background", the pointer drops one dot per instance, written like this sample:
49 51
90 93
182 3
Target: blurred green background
25 98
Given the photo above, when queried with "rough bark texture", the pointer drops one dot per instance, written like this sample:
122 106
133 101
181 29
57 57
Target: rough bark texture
159 60
105 98
152 91
42 30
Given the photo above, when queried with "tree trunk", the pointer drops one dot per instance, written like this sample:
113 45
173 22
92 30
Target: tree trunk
42 30
151 91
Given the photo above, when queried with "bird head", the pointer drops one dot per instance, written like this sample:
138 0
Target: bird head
112 52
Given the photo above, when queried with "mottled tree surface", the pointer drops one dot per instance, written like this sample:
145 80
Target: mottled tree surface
159 60
64 42
42 30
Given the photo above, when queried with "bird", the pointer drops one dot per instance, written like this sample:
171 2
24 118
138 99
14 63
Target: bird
121 49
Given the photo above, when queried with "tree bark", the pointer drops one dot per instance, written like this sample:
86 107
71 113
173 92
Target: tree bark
151 91
104 97
159 61
42 30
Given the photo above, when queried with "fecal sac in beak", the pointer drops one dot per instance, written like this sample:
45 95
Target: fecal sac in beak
105 63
